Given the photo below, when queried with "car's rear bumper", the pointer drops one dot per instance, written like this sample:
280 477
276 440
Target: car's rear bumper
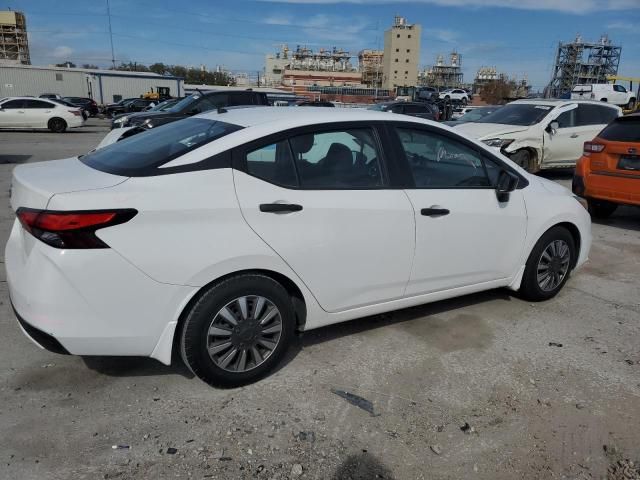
87 302
611 186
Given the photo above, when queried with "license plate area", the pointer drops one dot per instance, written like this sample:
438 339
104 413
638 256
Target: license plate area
629 162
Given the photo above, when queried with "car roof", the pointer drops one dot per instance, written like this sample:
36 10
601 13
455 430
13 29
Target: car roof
555 102
28 98
290 117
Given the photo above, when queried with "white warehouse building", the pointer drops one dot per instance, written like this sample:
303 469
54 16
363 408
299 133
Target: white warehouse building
104 86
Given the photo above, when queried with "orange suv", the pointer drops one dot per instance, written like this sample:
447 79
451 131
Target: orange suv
608 173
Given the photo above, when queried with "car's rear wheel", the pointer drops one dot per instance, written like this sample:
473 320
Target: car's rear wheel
57 125
238 330
601 208
632 104
549 265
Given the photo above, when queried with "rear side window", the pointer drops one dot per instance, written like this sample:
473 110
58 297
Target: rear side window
624 129
37 104
141 154
588 114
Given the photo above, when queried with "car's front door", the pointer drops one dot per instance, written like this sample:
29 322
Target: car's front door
464 235
319 198
564 146
12 114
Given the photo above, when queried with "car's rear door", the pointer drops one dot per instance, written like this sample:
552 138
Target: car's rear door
320 198
38 112
464 235
12 114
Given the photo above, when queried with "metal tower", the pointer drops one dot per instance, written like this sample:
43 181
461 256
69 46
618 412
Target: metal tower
582 62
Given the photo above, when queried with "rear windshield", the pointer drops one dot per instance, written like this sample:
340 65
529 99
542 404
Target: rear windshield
144 152
623 129
524 114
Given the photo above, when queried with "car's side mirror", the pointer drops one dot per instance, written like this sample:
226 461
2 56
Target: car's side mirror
553 127
507 183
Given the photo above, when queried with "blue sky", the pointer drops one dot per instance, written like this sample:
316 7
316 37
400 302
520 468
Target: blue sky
516 36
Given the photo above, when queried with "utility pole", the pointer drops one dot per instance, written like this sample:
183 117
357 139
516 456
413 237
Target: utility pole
113 57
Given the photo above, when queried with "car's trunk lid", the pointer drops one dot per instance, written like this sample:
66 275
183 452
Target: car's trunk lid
34 184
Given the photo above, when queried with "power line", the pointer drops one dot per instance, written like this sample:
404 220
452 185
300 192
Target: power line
113 57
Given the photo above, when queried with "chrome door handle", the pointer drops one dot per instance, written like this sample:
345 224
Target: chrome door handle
575 135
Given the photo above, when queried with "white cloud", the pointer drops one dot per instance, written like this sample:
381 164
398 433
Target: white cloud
278 20
626 26
442 34
567 6
62 52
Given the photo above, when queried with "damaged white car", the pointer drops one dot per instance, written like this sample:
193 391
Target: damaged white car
542 134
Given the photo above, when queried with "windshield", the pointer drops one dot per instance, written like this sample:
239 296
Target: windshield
476 114
184 103
138 154
163 106
524 114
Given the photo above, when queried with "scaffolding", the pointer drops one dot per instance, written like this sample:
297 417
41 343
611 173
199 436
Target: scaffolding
370 65
14 45
580 62
324 60
441 75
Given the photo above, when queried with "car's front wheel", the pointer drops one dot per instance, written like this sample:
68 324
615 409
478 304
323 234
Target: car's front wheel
238 330
549 265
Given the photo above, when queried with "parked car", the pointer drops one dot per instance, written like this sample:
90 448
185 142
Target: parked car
605 92
231 230
53 96
540 134
472 115
608 173
314 103
455 94
192 105
139 105
164 105
36 113
85 114
87 104
460 111
415 109
112 109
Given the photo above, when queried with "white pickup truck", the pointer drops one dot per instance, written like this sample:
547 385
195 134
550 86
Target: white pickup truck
605 92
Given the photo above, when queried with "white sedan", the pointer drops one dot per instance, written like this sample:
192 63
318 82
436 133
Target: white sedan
38 113
222 234
455 94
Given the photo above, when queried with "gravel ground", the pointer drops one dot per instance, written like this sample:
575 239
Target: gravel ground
474 387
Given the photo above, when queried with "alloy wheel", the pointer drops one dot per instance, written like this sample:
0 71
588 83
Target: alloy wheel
553 265
244 333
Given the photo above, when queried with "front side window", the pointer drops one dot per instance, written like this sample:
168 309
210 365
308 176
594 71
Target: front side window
13 104
437 161
619 88
145 151
567 119
338 159
273 163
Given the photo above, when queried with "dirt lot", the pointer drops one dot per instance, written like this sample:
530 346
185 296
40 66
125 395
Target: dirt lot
543 387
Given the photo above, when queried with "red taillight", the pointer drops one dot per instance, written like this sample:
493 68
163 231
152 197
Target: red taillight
71 229
592 147
75 112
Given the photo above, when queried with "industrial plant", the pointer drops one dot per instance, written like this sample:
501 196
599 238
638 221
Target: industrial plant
14 44
581 62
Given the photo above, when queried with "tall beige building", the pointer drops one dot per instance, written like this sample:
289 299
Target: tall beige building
401 54
14 45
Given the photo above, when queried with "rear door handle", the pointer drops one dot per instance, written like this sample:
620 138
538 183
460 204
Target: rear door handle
434 212
280 207
575 135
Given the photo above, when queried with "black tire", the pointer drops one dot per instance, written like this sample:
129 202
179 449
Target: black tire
632 104
523 159
464 101
601 208
195 330
530 288
57 125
